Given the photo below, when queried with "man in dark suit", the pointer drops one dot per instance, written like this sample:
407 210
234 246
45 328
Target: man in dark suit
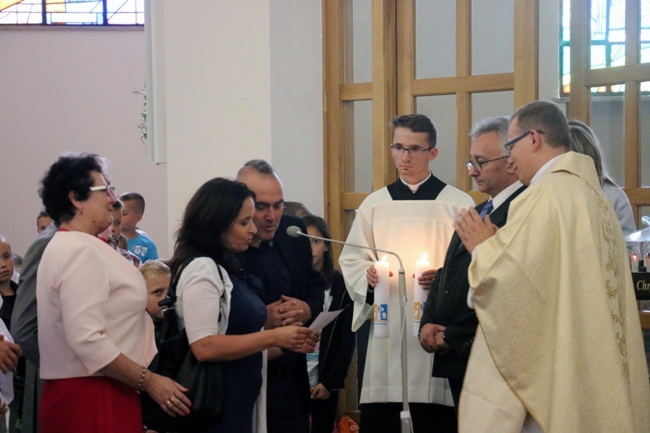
24 328
279 268
448 324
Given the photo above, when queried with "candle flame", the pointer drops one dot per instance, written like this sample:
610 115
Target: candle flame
425 256
384 259
635 257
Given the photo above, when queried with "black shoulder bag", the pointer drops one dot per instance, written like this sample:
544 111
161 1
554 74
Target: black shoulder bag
204 380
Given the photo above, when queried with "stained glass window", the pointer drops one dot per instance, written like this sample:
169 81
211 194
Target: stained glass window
72 12
607 41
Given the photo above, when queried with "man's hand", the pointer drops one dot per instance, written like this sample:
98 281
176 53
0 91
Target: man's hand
441 344
473 230
373 277
277 315
426 278
287 311
320 392
9 353
431 339
428 338
291 306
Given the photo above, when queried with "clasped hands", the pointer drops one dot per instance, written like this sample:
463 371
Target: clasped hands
288 311
431 339
472 230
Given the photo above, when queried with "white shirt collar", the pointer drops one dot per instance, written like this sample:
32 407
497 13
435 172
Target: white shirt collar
414 187
503 195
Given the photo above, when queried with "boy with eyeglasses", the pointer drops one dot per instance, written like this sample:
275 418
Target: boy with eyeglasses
411 216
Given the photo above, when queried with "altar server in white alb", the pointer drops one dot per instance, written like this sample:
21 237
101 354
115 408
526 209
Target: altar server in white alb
559 347
411 216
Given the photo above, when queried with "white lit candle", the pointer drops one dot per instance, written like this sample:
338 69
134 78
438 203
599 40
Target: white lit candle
635 262
380 323
419 292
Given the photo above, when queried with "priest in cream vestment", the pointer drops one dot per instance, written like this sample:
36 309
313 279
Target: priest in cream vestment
559 345
411 216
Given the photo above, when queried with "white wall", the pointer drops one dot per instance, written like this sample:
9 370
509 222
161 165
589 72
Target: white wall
242 80
71 90
297 100
250 89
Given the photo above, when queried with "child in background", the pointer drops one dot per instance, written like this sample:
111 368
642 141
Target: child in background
114 237
157 276
42 221
328 365
140 243
12 382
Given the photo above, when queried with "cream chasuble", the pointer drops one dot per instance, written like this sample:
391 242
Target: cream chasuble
559 335
409 228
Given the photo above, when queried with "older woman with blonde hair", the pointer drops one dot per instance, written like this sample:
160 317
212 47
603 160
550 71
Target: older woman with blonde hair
95 337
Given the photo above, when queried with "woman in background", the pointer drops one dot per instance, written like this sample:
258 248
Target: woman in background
328 365
583 140
223 318
95 337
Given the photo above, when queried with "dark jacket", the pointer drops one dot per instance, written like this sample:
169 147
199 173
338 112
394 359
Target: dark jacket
306 284
337 340
447 301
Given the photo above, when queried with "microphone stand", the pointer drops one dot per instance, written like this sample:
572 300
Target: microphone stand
405 414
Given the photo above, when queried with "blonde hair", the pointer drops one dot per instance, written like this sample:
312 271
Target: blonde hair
154 268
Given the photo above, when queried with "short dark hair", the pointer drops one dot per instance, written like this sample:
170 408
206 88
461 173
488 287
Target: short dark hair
208 216
296 208
319 224
72 172
547 117
136 197
118 205
42 214
417 123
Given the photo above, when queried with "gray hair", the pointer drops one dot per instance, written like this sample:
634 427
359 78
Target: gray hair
493 124
260 166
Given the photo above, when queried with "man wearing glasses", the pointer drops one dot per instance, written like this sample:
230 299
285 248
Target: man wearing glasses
559 344
411 216
448 325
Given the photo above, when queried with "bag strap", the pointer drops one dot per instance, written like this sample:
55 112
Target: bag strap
170 300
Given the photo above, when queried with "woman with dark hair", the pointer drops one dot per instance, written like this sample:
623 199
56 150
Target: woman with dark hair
328 365
223 318
95 337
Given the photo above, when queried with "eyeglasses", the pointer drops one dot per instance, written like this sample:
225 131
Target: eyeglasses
110 189
509 145
478 165
397 148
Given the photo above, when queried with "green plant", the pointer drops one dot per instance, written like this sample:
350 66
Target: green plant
142 124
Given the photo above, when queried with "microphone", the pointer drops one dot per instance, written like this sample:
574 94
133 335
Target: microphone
405 415
294 232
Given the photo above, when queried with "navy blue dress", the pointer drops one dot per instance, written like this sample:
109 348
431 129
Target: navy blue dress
242 377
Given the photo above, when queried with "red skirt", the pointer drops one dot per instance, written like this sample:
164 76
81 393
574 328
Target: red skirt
89 405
